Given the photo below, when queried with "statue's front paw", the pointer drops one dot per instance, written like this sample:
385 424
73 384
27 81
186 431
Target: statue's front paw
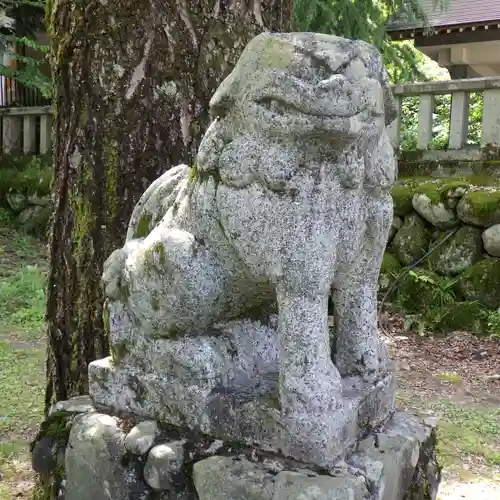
112 274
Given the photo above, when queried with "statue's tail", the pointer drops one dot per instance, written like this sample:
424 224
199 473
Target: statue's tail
156 201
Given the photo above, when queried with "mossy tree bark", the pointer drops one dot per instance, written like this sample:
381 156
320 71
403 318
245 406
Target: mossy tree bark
133 80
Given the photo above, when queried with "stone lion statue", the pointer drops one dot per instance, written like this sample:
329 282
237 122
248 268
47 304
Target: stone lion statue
287 203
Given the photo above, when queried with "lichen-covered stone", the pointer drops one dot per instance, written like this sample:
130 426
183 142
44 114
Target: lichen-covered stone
73 406
17 202
95 466
416 291
221 478
388 271
397 222
397 462
401 196
481 282
480 207
411 241
164 464
141 437
458 253
261 222
438 214
400 463
491 240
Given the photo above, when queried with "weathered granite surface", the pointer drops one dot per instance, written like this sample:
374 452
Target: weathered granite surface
286 204
396 462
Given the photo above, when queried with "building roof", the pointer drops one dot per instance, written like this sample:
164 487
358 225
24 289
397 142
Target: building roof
458 12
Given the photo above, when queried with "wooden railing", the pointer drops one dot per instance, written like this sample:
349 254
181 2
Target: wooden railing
27 130
460 91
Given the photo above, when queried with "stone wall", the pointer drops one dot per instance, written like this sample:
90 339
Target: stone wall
456 221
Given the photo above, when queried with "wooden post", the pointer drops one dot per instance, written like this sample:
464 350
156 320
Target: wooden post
459 120
425 121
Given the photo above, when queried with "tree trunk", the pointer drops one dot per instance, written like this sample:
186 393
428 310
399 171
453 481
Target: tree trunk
133 80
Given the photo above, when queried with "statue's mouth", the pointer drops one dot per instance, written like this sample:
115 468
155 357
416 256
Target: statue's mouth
283 107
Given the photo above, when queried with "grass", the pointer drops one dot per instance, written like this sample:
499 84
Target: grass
466 433
23 271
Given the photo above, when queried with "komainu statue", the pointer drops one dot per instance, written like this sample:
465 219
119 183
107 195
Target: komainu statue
218 300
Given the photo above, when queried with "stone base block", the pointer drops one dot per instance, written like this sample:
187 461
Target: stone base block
103 457
398 463
248 413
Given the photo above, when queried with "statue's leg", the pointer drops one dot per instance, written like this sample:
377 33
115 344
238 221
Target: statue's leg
359 350
309 385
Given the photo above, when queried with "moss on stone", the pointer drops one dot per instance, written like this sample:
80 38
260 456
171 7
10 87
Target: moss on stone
458 253
143 226
118 352
411 241
155 301
401 197
390 264
436 189
480 207
467 315
481 283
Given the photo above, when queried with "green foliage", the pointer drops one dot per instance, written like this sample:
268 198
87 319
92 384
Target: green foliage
33 178
366 20
26 18
494 322
440 120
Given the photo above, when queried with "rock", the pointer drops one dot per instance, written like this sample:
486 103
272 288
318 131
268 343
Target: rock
411 241
416 291
292 486
17 202
481 282
480 207
94 461
206 247
78 404
221 478
457 253
163 465
44 456
389 270
42 201
436 213
491 240
34 220
142 437
402 195
397 222
402 465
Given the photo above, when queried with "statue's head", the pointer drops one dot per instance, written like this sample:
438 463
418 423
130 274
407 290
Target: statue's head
305 84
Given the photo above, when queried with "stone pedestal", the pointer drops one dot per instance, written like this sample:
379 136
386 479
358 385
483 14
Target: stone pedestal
225 385
103 457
